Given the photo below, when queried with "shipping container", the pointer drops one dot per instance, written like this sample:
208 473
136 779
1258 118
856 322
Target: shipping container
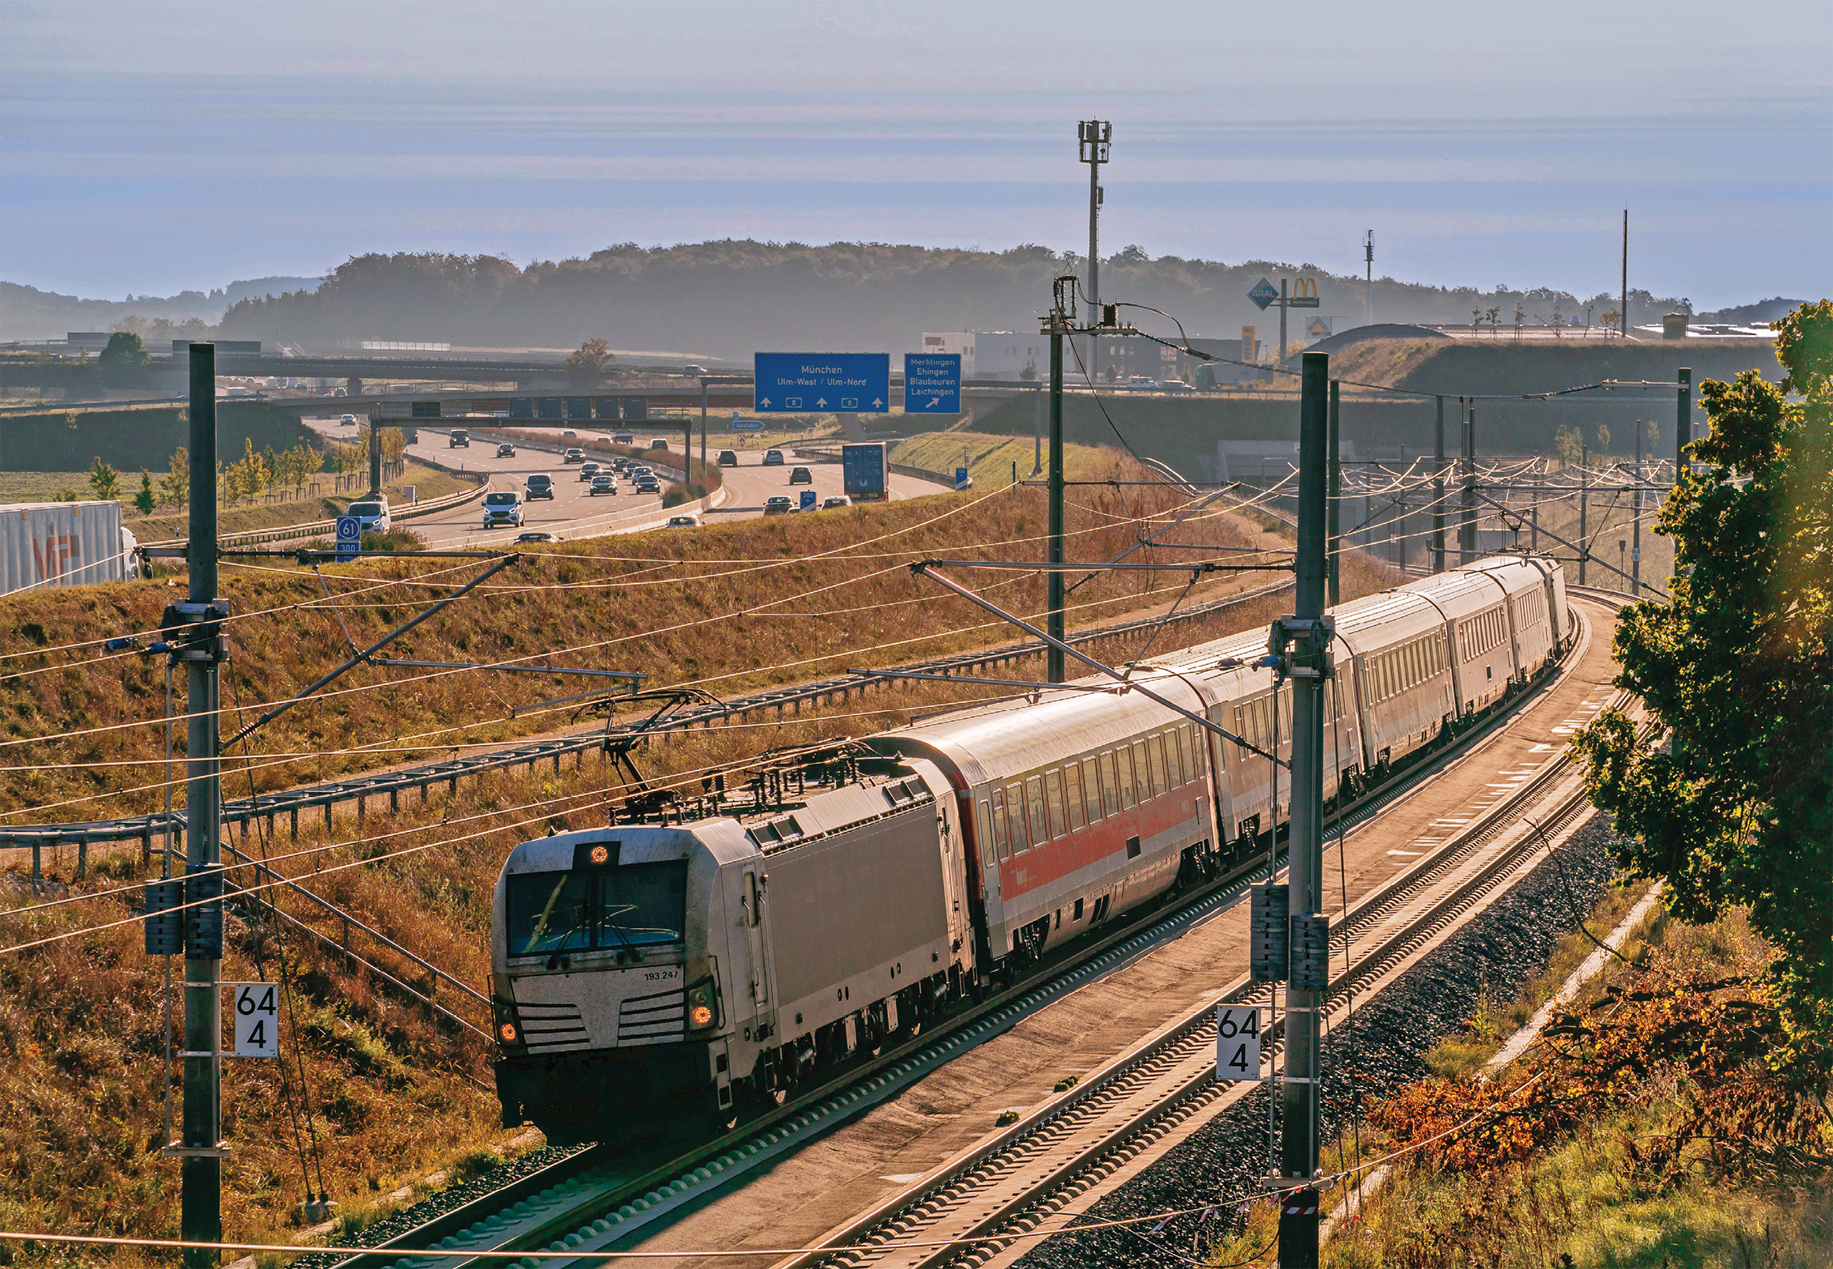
62 544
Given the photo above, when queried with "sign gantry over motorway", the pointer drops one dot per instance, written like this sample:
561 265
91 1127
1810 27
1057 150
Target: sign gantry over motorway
932 383
807 383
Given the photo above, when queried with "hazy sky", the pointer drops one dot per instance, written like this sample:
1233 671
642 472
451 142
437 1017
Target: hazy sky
147 148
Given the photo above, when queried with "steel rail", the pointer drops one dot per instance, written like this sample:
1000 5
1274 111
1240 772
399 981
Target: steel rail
588 1184
918 1212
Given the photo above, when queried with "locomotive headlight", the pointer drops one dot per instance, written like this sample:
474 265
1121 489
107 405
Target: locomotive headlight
600 854
506 1032
702 1006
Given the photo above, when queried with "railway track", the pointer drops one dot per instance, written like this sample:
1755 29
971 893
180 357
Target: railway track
979 1205
593 1199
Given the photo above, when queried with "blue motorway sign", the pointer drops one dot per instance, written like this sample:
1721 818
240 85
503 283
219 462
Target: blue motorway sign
349 537
746 425
1263 294
808 500
961 478
932 383
805 383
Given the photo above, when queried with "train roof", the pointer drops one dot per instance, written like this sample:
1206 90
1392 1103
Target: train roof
1393 614
993 742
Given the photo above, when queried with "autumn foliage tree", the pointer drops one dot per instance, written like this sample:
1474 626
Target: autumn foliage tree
1734 807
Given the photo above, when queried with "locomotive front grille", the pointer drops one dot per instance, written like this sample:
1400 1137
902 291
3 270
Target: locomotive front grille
551 1026
656 1019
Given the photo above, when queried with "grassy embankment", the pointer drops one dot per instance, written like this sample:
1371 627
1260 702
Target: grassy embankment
131 440
1657 1127
990 459
666 604
170 521
394 1095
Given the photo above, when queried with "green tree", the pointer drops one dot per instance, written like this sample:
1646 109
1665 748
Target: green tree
1568 443
1737 666
145 501
1603 446
589 360
124 349
105 480
175 485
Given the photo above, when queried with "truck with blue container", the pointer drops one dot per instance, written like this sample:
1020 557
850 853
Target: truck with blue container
863 469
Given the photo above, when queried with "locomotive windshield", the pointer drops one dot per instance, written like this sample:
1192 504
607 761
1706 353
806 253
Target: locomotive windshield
596 908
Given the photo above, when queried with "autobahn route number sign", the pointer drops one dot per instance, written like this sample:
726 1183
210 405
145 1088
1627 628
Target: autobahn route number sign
257 1019
1237 1043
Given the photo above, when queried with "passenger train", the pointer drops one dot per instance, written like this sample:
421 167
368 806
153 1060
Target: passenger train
660 974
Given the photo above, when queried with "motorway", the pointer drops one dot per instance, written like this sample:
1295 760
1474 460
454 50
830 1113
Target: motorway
574 513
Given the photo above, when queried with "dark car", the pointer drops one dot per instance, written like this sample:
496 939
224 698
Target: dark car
773 458
648 485
728 458
777 505
505 450
588 470
602 484
539 485
801 476
536 538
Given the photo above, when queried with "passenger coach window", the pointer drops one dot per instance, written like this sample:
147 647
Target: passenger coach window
1174 769
1142 773
1123 771
1187 751
989 849
1015 817
1072 795
1155 763
1091 788
996 825
1110 789
1053 792
1034 805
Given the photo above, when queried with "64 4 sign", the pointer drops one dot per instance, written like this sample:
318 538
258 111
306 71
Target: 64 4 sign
257 1019
1237 1043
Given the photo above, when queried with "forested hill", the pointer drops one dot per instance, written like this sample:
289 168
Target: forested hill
725 299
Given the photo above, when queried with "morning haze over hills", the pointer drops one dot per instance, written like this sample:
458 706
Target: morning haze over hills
723 299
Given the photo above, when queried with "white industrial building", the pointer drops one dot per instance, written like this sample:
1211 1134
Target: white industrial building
993 354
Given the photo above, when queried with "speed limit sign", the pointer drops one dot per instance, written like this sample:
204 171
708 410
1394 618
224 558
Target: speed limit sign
257 1019
1237 1043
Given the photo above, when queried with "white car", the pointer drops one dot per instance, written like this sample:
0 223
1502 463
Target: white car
349 420
373 515
502 507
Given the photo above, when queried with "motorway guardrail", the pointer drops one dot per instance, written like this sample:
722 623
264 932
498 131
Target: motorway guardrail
322 798
285 532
